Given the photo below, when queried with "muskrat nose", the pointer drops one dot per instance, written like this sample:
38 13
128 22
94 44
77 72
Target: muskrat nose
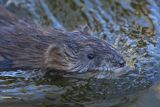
122 63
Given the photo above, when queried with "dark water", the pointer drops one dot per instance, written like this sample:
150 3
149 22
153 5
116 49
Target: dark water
133 27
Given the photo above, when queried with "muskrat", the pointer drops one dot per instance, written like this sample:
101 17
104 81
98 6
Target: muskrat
25 45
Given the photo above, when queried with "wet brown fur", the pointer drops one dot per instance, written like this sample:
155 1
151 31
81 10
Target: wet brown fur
30 46
24 43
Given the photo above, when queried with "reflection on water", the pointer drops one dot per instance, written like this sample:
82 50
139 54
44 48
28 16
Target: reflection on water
131 26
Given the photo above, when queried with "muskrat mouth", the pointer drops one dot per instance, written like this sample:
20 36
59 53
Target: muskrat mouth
113 72
117 71
110 73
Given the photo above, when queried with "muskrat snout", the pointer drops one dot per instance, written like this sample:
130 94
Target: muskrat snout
122 63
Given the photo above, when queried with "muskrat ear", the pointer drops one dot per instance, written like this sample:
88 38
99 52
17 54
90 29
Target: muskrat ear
54 49
54 55
86 30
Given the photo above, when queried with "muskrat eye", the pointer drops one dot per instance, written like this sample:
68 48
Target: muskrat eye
90 56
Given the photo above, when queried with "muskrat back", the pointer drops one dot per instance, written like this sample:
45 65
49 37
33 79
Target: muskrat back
29 46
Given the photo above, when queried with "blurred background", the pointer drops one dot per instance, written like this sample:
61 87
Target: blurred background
132 26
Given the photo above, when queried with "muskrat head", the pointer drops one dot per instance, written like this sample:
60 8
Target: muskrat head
82 55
